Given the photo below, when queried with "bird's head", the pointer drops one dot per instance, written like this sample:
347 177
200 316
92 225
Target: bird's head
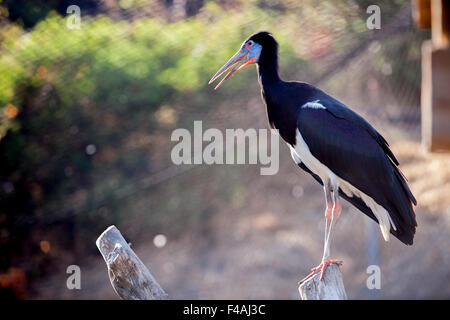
258 48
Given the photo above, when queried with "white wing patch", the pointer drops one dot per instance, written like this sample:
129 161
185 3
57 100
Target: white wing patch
294 155
313 105
301 153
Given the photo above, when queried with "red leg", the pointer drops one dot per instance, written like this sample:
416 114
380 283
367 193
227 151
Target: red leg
332 213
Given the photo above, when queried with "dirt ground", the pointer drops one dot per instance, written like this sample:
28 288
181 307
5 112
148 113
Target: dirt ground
260 249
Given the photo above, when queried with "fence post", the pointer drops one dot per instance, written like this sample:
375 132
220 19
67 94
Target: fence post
129 277
330 288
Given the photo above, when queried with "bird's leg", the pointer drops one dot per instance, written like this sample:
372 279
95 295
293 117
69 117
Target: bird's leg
332 213
337 208
335 213
328 210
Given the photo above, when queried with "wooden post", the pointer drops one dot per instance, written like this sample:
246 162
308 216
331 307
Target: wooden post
422 13
129 277
435 96
330 288
440 23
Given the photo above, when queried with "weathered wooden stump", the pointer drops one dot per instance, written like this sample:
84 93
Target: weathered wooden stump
331 288
129 277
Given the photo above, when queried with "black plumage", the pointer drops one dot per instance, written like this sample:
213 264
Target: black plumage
339 138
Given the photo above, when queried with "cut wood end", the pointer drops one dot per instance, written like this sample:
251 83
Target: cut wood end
330 288
109 229
129 277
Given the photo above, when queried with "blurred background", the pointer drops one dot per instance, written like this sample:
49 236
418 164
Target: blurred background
86 117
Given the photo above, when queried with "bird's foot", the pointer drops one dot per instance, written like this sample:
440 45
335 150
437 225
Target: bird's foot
321 267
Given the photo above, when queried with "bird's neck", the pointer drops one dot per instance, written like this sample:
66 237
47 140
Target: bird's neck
268 74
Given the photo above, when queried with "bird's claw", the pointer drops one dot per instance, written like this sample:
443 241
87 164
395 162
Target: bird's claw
321 267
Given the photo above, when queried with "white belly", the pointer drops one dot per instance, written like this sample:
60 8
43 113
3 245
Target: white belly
301 153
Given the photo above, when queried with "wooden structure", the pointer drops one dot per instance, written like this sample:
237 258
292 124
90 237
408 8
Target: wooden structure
435 96
331 288
131 279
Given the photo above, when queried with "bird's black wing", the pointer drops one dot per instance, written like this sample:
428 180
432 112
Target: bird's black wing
353 150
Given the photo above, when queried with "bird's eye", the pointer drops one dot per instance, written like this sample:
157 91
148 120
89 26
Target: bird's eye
249 44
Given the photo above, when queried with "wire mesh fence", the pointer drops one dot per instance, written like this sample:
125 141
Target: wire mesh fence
86 142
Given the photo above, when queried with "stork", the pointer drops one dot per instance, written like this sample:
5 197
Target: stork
334 144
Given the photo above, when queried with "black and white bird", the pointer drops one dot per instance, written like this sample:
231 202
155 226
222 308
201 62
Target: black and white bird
327 139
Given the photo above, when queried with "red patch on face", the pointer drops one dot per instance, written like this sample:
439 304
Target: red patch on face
248 46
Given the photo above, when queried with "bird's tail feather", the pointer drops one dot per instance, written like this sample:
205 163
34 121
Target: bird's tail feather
404 230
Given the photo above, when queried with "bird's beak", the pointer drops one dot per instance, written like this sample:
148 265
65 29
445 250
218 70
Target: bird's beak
241 59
